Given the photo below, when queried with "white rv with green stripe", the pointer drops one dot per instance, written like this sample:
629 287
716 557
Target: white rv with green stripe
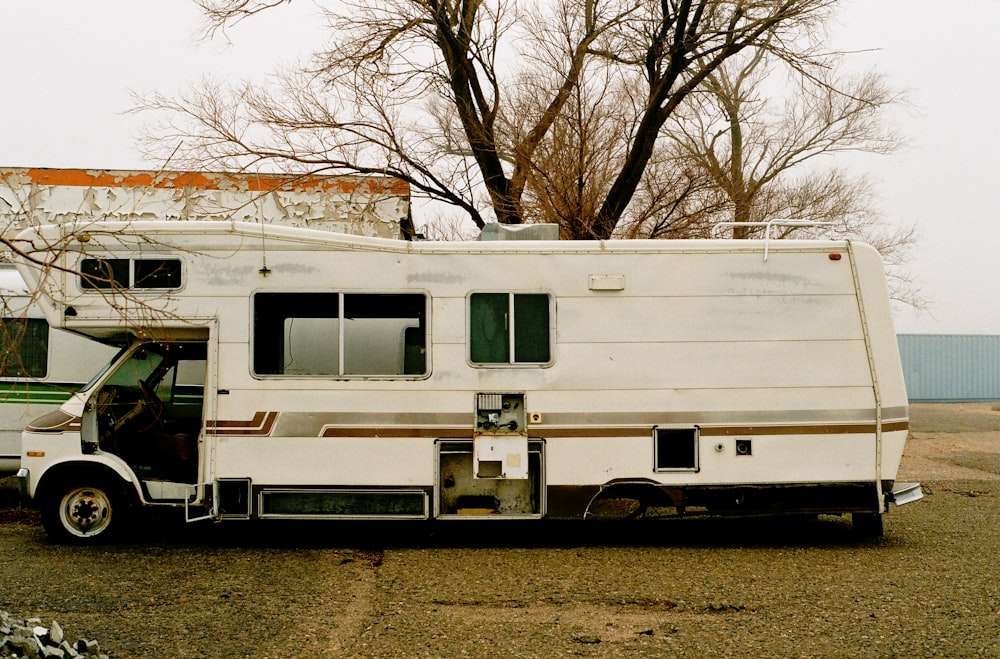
40 367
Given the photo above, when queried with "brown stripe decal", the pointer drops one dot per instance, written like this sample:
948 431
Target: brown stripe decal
824 429
590 431
725 431
55 421
261 424
368 431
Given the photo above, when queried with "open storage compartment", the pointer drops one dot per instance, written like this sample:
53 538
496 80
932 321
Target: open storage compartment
460 494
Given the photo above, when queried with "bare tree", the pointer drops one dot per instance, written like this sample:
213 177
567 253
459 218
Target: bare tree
419 89
572 171
753 145
765 141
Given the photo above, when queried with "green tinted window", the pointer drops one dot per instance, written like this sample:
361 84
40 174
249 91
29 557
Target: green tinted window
503 325
489 342
531 328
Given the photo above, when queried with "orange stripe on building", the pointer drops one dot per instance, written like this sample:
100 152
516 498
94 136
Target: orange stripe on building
88 178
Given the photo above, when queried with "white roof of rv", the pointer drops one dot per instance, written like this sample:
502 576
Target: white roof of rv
123 234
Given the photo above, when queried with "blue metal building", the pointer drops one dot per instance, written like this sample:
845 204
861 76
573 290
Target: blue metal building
951 367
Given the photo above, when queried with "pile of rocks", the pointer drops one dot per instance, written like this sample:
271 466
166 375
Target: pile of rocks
28 638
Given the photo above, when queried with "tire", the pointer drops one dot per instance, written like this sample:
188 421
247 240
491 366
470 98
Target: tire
84 512
867 525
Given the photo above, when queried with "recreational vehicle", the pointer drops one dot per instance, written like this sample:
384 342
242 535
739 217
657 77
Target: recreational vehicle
40 367
279 373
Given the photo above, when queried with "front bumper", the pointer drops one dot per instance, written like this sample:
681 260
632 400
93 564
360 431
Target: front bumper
22 485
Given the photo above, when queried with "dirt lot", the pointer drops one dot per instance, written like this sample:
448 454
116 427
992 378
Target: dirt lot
929 588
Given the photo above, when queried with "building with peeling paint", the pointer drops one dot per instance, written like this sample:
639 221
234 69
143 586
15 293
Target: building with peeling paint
374 206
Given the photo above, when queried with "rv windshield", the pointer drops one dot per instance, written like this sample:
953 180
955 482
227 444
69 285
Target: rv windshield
139 366
104 369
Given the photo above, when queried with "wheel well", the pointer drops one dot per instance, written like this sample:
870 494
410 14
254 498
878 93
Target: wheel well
644 494
61 474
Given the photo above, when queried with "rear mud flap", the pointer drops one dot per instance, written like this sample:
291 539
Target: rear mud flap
903 493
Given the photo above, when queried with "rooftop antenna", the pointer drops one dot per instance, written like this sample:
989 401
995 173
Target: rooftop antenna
264 270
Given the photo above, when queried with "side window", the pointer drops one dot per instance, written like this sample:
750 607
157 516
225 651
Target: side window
509 328
384 334
104 273
25 348
181 387
339 334
157 273
296 334
130 273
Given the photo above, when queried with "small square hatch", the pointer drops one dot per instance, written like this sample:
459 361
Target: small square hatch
675 449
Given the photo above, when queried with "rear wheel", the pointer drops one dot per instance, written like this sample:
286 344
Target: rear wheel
868 525
83 512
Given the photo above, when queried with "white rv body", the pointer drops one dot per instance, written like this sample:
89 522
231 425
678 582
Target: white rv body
40 367
496 380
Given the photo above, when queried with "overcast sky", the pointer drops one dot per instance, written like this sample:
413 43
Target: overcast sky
69 66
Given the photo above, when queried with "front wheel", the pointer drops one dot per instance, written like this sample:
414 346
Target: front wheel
83 512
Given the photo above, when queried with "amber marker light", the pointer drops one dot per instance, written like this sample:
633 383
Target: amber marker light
36 454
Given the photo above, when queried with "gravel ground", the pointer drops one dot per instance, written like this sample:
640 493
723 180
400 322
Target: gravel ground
690 588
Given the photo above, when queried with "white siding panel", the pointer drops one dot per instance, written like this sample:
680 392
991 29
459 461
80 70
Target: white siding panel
722 318
776 364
